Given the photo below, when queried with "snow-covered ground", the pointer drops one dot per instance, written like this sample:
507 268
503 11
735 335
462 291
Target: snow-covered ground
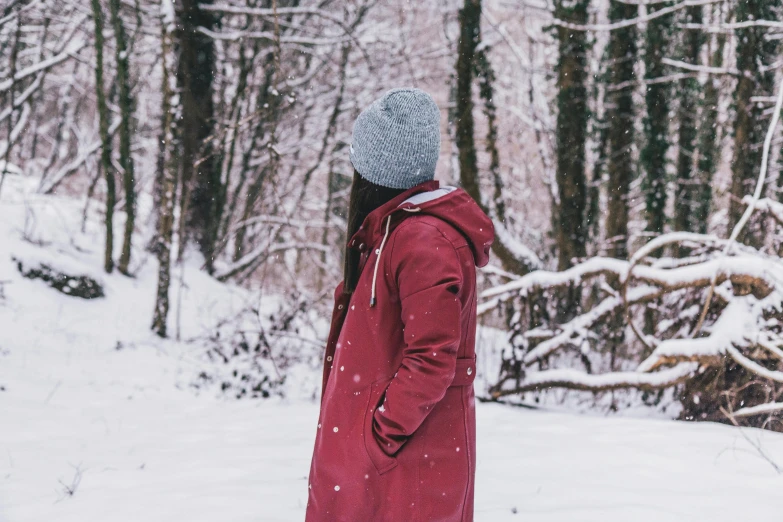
92 403
153 453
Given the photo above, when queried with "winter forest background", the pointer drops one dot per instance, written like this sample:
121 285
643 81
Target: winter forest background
174 179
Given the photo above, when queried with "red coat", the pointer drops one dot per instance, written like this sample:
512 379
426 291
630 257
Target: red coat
396 438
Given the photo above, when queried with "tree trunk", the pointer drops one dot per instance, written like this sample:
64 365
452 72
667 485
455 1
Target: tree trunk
571 134
470 31
470 36
203 194
103 128
165 182
709 154
656 121
599 133
620 137
126 114
11 93
686 115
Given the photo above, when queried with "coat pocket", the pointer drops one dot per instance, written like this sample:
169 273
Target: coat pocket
382 462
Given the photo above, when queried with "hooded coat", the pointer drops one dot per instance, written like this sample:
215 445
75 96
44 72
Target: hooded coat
396 437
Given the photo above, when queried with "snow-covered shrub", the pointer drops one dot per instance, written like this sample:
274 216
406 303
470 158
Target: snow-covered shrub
707 326
82 286
271 352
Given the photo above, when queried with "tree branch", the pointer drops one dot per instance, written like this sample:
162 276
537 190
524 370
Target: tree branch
576 380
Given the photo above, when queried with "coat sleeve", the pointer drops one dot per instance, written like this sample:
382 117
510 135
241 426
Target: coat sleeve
429 278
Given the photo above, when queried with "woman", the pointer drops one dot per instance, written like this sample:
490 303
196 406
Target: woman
396 435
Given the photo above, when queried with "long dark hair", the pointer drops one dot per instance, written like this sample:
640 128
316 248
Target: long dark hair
365 197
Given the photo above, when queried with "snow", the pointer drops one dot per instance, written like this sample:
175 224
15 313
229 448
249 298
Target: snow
10 168
167 11
92 402
153 453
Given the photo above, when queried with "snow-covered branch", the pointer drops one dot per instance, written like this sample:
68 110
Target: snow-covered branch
263 252
633 21
42 65
761 409
281 220
270 13
759 273
269 36
771 207
732 25
48 185
735 326
700 68
576 380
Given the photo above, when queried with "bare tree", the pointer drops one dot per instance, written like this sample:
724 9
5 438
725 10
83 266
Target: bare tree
572 116
126 115
519 260
620 117
103 126
166 181
203 193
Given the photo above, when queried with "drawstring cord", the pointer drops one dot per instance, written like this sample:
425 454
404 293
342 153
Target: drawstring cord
378 256
378 259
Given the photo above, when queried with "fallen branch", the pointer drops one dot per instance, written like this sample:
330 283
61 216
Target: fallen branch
761 409
576 380
572 332
753 366
774 350
740 270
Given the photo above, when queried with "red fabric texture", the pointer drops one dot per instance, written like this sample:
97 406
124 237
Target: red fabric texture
396 435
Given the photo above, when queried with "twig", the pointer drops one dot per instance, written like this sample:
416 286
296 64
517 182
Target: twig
729 415
70 489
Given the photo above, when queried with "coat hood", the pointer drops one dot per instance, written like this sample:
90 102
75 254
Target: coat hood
450 204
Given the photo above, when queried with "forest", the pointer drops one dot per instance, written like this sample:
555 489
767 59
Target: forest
175 181
628 153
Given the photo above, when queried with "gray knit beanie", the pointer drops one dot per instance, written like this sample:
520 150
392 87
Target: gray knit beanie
396 140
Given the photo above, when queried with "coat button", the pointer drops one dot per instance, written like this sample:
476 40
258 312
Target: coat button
362 247
339 307
328 357
470 370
